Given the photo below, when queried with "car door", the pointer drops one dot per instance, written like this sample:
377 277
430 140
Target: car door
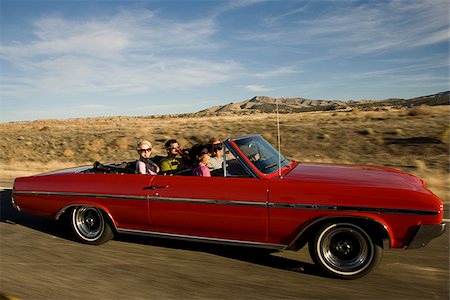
125 197
228 208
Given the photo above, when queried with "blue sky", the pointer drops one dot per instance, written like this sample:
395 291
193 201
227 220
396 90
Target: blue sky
64 59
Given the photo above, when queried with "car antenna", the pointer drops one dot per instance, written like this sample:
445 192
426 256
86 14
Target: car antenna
279 141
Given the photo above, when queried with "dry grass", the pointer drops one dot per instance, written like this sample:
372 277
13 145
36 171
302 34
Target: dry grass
414 141
13 170
420 110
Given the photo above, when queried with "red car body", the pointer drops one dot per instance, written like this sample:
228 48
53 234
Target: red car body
347 213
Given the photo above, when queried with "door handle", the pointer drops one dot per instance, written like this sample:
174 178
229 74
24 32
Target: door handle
154 187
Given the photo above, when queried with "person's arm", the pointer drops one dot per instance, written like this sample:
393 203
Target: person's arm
154 170
140 167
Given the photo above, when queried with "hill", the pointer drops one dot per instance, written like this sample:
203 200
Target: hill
264 104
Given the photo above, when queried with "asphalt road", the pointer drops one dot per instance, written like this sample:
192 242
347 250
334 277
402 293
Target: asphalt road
40 260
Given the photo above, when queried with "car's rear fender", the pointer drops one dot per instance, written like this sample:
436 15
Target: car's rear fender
373 227
104 210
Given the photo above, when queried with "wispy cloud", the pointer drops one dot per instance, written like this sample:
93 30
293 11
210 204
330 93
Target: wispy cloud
442 35
93 106
168 106
282 71
228 6
358 29
131 52
257 88
404 70
274 19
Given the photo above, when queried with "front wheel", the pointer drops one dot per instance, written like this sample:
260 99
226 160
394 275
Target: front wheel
345 250
90 226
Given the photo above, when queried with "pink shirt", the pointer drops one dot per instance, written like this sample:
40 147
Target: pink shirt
201 170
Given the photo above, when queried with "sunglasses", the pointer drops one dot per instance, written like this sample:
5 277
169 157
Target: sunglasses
145 150
172 147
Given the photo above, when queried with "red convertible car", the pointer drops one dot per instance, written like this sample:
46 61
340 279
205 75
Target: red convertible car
347 214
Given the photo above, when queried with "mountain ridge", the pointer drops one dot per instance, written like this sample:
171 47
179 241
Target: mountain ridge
265 104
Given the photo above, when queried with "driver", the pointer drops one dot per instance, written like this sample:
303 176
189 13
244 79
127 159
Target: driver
216 150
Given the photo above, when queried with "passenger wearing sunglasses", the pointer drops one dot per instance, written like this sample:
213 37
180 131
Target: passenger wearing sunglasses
172 163
216 150
144 165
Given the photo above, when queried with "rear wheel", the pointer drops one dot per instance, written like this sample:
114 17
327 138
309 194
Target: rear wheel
345 250
90 226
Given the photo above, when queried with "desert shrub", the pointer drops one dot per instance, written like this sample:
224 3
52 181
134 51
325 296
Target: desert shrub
95 145
420 111
122 143
68 153
324 136
397 131
446 136
421 165
373 115
96 157
367 131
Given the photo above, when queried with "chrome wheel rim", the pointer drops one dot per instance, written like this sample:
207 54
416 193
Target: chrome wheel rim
88 222
346 250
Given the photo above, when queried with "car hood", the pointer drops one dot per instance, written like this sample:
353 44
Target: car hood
355 175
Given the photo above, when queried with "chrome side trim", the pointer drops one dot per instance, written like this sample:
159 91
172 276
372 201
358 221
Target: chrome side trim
202 239
239 203
208 201
88 195
402 211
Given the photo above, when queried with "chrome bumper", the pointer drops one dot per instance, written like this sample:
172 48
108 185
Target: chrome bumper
16 207
425 234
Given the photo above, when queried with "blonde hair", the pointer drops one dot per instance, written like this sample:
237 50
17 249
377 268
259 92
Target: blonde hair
143 142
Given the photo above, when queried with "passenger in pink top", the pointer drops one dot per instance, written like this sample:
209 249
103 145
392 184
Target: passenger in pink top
202 159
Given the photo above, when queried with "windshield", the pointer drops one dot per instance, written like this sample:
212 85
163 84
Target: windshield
261 154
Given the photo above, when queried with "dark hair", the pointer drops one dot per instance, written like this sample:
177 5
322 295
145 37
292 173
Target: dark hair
214 148
195 152
170 142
